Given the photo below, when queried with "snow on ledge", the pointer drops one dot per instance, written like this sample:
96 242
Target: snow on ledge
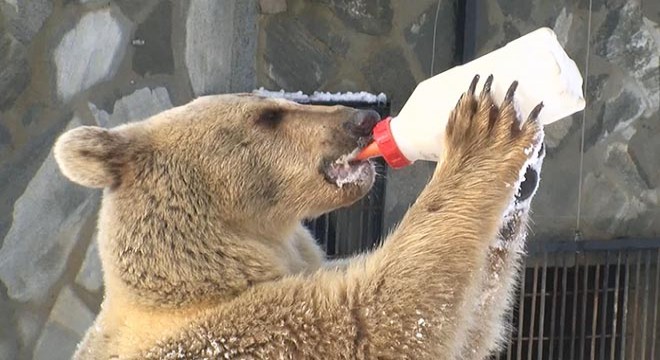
300 97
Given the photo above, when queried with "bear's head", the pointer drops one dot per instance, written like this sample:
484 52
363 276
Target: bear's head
187 186
243 152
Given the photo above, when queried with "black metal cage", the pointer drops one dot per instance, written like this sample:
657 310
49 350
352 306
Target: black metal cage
588 300
359 227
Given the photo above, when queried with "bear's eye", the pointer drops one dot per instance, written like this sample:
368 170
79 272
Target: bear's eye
269 118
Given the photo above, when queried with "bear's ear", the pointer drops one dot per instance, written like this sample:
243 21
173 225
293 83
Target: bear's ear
92 156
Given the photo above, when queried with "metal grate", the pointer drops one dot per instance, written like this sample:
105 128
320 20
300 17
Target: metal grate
359 227
588 300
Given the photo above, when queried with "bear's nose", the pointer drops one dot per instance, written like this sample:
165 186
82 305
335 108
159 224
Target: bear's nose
362 123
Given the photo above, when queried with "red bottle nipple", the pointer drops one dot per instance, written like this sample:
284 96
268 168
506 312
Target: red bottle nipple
385 146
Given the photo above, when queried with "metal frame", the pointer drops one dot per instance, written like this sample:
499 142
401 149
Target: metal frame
587 300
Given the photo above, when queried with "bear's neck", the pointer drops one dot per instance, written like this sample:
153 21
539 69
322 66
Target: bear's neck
173 258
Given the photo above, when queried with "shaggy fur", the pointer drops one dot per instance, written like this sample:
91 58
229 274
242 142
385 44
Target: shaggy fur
204 254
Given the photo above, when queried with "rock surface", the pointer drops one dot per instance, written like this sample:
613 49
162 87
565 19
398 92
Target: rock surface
369 17
425 31
208 53
90 275
272 6
68 322
297 59
26 17
139 105
620 180
90 52
14 70
36 248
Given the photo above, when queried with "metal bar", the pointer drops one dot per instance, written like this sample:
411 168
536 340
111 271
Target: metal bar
553 313
594 317
603 309
656 303
521 315
645 307
510 341
363 239
326 222
540 247
544 275
371 207
583 333
575 307
532 319
562 317
616 305
635 306
338 233
624 316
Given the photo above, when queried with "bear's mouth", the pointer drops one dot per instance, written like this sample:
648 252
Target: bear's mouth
348 171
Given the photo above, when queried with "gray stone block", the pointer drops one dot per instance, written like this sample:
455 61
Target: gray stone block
69 320
29 324
90 275
644 150
94 2
422 33
26 17
209 41
14 70
5 138
152 42
137 10
630 41
244 47
139 105
325 31
520 9
272 6
388 71
48 220
8 334
373 17
90 52
295 59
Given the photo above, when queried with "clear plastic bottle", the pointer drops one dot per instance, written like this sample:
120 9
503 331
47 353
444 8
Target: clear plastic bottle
545 73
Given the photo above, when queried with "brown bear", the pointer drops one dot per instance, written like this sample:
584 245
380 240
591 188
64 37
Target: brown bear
205 256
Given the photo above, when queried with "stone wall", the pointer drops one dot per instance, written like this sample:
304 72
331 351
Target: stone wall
65 63
621 170
68 63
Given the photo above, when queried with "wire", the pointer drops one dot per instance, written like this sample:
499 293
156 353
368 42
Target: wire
584 120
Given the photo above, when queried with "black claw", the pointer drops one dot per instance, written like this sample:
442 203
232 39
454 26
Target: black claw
509 93
535 112
488 84
460 99
473 85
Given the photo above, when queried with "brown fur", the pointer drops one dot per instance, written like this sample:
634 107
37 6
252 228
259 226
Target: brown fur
204 254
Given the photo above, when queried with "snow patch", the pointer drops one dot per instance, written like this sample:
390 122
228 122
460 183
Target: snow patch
324 97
